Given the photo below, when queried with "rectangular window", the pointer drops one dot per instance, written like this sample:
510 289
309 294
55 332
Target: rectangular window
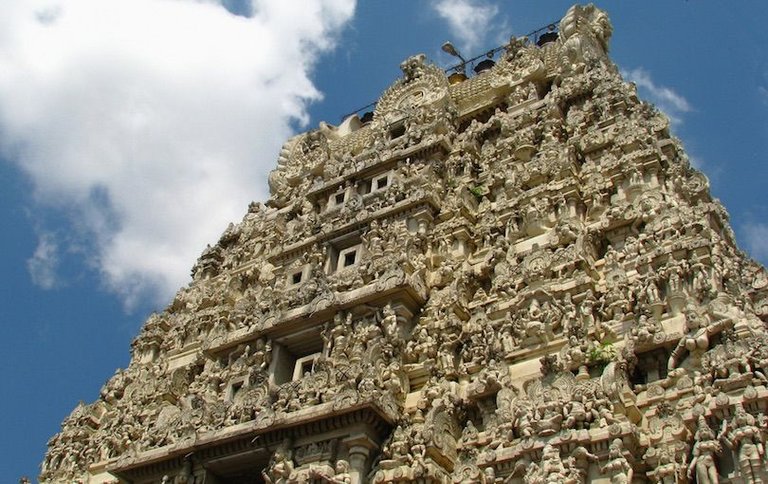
348 257
397 131
234 389
304 366
296 275
344 253
364 187
382 182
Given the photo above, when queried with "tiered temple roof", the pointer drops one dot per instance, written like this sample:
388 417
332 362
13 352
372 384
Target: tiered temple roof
515 277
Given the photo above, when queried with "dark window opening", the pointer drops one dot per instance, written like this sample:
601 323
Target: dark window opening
651 366
296 278
235 389
397 132
307 367
349 258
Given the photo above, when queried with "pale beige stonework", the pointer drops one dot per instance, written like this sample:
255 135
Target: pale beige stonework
515 278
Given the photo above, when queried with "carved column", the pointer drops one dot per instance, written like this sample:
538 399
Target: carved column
359 450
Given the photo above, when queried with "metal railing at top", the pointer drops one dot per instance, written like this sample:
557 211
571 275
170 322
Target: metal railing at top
532 37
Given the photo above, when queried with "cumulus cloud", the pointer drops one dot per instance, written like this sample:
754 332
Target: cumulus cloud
154 122
673 104
43 264
469 20
756 238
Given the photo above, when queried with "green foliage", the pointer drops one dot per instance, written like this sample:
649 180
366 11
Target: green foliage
602 352
477 191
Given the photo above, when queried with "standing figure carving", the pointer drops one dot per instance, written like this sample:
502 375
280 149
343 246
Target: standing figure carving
618 468
705 449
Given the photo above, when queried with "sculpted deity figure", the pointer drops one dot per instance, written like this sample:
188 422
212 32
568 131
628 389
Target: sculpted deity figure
645 330
508 340
280 468
396 452
580 460
337 337
522 421
551 466
587 317
702 281
652 292
696 340
389 322
668 470
618 467
744 437
549 415
341 474
489 476
575 411
705 448
602 409
468 441
413 67
585 31
374 240
262 356
426 348
535 326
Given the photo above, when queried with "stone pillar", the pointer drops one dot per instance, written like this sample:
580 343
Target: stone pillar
359 450
358 460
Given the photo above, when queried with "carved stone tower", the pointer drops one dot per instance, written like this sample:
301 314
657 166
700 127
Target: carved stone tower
516 277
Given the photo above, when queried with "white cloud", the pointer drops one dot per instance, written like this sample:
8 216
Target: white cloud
673 104
154 122
756 238
762 88
469 20
44 262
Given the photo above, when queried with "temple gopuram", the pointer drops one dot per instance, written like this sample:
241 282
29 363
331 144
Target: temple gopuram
512 277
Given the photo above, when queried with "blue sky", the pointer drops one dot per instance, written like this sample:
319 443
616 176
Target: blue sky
132 132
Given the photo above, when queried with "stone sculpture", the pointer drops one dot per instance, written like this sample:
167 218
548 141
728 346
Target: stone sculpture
514 278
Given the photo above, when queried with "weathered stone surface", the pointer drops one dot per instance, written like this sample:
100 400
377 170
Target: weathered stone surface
517 278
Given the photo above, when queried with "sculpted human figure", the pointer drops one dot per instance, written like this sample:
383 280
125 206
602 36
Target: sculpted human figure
575 411
581 459
280 469
652 292
426 347
338 339
618 467
705 448
534 325
552 467
523 424
373 240
696 340
389 322
489 476
586 310
744 437
262 356
668 471
468 441
341 474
